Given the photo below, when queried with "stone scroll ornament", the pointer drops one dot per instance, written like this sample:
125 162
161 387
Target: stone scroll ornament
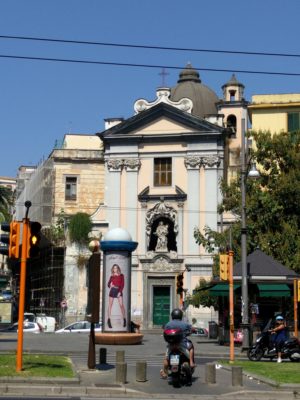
211 161
163 96
132 164
115 164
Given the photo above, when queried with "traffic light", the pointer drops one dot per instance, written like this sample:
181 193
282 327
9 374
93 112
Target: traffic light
179 283
12 239
34 238
224 259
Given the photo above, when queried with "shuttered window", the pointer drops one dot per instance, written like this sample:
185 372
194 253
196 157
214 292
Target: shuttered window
293 122
163 171
71 188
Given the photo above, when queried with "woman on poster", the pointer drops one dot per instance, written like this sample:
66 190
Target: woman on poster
116 286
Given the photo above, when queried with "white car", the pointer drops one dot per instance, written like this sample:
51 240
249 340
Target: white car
80 327
32 327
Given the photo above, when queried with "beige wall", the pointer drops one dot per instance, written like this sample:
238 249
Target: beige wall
90 188
87 142
269 112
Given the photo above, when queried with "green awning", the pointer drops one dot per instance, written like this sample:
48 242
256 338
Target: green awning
222 289
273 290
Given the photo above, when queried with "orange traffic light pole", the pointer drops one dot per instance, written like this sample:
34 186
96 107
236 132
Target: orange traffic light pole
19 361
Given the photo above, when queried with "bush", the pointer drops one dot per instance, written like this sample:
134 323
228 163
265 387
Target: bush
80 226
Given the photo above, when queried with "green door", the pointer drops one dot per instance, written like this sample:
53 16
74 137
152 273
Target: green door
161 305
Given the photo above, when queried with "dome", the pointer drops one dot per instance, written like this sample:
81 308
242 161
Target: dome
117 234
189 85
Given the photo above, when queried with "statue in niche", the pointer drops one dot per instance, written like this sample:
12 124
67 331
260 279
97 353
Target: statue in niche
162 239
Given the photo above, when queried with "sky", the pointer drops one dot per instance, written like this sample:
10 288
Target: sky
41 101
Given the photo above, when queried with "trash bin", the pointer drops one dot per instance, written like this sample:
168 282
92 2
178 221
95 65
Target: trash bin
223 335
212 330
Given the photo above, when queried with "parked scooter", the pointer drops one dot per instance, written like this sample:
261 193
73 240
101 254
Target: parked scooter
180 372
265 348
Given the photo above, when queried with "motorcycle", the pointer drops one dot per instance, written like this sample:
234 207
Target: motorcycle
179 372
265 348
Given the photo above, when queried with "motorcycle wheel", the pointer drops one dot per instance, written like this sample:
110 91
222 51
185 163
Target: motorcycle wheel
176 379
255 354
187 373
294 359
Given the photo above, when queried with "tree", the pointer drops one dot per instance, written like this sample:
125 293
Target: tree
6 202
201 296
273 202
55 233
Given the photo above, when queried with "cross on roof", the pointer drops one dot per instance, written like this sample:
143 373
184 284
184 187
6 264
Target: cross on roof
163 74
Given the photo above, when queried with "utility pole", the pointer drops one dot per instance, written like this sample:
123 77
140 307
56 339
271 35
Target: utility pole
24 254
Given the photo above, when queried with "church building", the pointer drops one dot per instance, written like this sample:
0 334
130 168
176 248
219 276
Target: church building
163 168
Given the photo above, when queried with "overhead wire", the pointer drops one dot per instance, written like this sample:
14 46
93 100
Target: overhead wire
152 47
157 66
136 65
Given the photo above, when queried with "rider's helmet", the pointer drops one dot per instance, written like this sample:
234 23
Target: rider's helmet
176 314
279 318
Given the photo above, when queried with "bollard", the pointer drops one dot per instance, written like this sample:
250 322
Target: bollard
102 355
210 373
120 356
121 372
141 371
237 376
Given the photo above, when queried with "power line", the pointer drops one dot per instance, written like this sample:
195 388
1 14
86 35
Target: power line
136 46
118 64
115 208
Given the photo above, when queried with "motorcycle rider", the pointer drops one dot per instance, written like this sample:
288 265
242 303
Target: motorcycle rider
280 335
186 344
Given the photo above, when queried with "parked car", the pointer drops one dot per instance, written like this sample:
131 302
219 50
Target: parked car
32 327
47 323
80 327
30 317
197 331
7 294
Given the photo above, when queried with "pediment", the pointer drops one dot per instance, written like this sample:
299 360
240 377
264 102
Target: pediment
163 125
161 119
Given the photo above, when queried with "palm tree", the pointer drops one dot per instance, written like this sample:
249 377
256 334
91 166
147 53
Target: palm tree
6 201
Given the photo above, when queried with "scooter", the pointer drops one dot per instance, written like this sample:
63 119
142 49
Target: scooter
179 372
264 347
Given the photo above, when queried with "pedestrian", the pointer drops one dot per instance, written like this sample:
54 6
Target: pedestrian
280 335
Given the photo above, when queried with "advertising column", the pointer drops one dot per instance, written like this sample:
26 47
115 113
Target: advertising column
116 284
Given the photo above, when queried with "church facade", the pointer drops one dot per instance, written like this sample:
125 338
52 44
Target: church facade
163 168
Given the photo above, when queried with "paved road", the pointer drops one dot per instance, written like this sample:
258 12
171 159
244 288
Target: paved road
151 350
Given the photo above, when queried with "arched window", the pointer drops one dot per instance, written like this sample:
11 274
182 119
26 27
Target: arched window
232 94
231 123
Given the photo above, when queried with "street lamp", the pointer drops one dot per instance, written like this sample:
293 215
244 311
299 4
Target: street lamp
253 173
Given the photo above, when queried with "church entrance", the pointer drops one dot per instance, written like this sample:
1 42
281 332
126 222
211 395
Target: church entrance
161 305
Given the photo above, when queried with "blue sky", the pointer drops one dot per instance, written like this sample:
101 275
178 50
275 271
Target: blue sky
41 101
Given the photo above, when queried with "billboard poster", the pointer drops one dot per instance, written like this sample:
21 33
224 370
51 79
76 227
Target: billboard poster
5 312
116 291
